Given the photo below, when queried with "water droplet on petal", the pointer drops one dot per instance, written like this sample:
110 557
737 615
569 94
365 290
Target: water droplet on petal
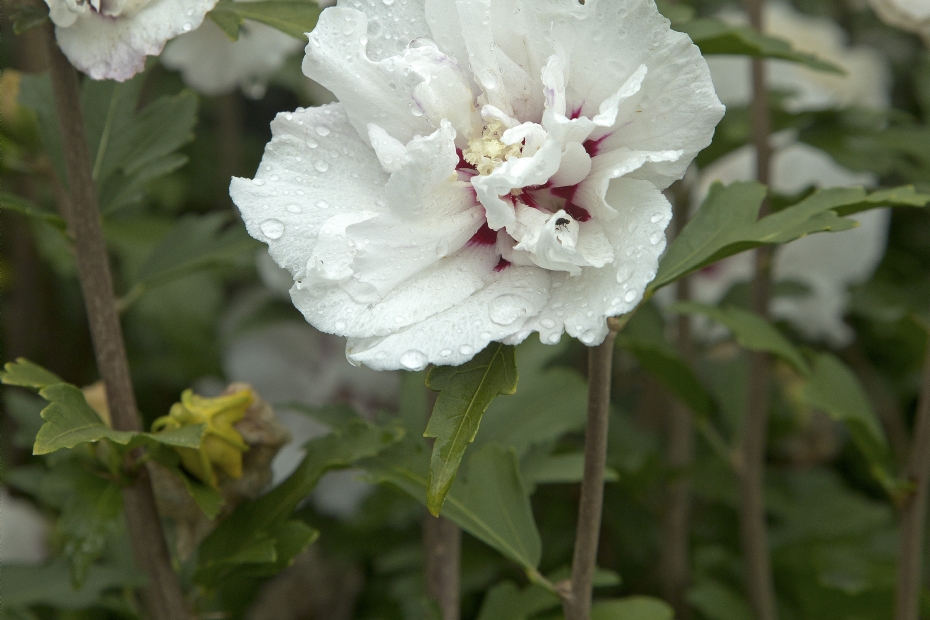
630 296
273 229
547 323
322 204
340 325
187 27
624 271
656 237
414 360
445 352
656 217
294 208
321 165
589 336
505 309
466 349
554 338
322 130
258 182
312 144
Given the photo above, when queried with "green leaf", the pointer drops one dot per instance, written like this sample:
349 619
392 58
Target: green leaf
713 36
465 392
632 608
557 468
550 401
50 585
834 389
28 17
727 223
644 337
751 331
293 17
490 503
12 202
195 242
89 518
257 521
24 373
718 601
207 498
70 421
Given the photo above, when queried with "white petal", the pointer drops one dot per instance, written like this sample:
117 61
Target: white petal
559 243
607 111
213 65
591 193
391 25
579 304
429 162
390 150
115 47
574 167
337 59
512 174
453 337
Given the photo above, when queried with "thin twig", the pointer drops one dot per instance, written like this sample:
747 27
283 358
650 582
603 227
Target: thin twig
577 606
164 597
914 511
442 548
675 558
753 526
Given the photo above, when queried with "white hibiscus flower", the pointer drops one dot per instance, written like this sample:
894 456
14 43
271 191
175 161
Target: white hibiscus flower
212 64
109 39
910 15
491 169
827 264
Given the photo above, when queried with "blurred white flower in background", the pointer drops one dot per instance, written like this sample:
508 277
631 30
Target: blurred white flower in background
910 15
109 39
23 531
492 169
826 264
212 64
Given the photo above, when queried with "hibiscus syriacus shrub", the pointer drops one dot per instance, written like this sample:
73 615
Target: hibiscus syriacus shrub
481 309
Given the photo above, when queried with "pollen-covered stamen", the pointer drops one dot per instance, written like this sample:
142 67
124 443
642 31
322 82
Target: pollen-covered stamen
489 151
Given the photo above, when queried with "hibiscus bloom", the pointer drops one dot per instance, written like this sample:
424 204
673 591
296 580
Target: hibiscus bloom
491 169
109 39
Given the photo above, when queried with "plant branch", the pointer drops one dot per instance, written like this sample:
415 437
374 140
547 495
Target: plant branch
577 605
753 526
914 511
675 561
164 598
442 547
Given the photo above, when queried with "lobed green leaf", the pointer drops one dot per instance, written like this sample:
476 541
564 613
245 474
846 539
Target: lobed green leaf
293 17
465 392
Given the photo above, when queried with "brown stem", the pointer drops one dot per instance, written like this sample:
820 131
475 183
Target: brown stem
577 605
442 547
675 561
914 512
753 526
164 598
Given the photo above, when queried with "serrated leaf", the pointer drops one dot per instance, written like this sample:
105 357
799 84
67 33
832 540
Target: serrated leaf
195 242
465 392
256 521
834 389
751 331
293 17
24 373
727 223
88 520
491 502
70 421
713 36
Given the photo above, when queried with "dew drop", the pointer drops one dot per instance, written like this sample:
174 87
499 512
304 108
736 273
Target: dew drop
321 165
624 271
294 208
275 178
554 338
258 182
187 27
466 349
312 144
340 325
273 229
322 130
656 218
505 309
589 336
547 323
656 237
630 296
414 360
445 352
322 204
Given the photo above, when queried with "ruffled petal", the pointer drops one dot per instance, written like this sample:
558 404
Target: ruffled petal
337 58
114 48
453 337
